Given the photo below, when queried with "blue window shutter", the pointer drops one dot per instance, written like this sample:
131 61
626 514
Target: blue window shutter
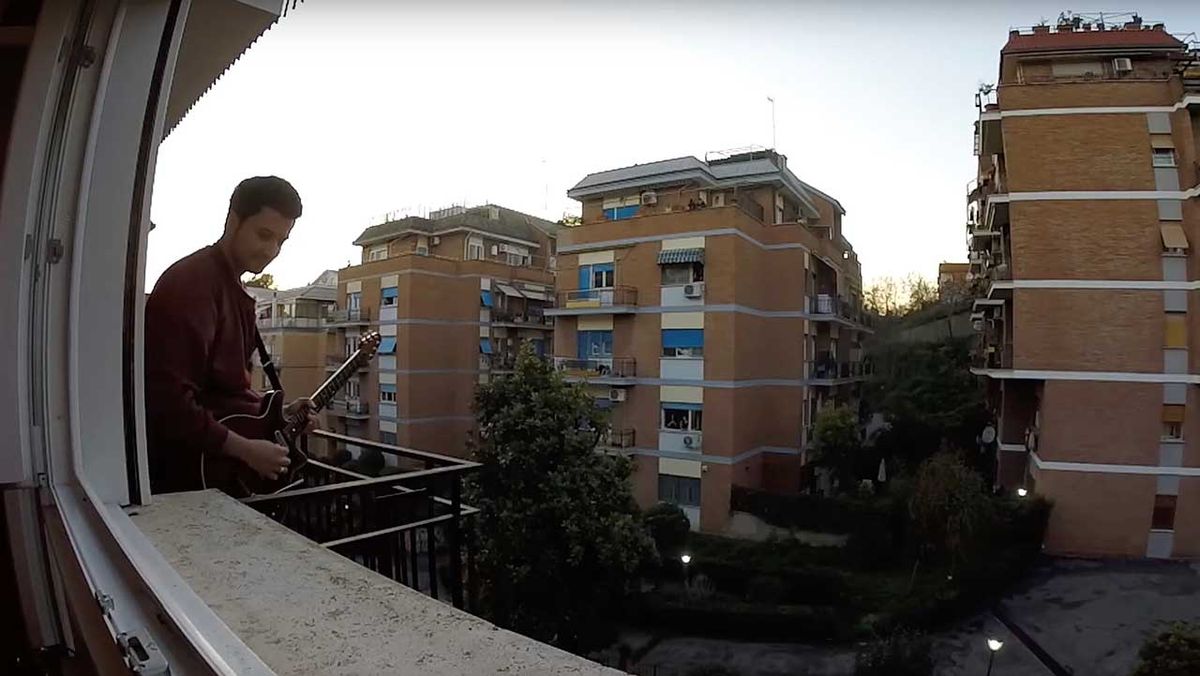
388 292
683 337
485 345
610 214
606 342
604 267
387 388
387 346
585 276
485 297
683 406
582 340
621 213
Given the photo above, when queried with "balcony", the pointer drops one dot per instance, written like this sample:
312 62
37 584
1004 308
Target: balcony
339 317
291 322
522 320
335 361
992 356
830 371
614 300
349 408
617 438
603 370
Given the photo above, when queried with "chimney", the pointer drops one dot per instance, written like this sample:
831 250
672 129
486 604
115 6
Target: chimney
1159 27
1013 33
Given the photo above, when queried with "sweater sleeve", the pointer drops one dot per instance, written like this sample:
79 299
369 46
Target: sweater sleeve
181 320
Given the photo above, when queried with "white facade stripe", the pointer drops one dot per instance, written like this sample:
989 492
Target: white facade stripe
1100 468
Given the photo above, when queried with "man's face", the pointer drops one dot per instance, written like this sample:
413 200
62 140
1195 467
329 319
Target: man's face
259 238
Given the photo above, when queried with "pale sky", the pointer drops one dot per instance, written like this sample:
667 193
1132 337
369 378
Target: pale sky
373 107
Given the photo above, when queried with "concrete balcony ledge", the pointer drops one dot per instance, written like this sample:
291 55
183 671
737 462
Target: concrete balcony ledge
306 610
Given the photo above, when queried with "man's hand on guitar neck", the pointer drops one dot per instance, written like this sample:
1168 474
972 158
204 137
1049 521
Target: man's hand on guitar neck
267 458
303 404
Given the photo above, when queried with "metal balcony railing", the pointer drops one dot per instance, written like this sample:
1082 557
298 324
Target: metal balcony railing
990 356
598 367
291 322
532 319
597 298
830 369
359 315
618 438
410 526
349 407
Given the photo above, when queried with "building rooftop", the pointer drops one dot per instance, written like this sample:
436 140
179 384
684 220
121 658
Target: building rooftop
748 168
506 223
1067 37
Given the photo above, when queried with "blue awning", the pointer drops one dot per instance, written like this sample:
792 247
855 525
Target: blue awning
676 256
485 345
388 292
387 346
485 297
683 337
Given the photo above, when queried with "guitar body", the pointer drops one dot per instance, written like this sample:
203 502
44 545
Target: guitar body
235 478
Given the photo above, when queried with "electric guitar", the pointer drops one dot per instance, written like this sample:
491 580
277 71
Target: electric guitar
237 479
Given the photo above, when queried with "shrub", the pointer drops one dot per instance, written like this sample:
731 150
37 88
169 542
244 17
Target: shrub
668 527
1174 652
802 512
900 654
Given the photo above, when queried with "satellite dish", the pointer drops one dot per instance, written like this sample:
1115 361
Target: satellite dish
988 435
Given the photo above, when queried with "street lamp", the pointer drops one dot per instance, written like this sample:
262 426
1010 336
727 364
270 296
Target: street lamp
686 559
1022 492
994 645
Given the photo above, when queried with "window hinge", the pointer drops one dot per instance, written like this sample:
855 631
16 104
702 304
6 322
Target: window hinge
55 253
142 654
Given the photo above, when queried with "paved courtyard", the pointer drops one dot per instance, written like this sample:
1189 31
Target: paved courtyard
1090 617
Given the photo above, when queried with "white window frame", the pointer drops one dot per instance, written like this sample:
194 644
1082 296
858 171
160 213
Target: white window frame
691 419
1164 158
377 253
78 180
1172 431
387 397
353 389
475 249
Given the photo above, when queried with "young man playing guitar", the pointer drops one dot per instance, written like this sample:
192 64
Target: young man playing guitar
200 332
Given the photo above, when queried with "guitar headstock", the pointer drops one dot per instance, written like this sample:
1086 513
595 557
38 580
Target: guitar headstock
368 343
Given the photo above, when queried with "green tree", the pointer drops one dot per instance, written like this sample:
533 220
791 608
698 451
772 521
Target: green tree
1174 652
263 281
560 539
948 507
838 445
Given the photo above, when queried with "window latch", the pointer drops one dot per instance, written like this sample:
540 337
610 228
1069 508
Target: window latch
142 654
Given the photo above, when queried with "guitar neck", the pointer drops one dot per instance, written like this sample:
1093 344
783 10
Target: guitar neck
295 424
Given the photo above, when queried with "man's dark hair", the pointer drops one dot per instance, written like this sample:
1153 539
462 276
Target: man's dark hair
254 194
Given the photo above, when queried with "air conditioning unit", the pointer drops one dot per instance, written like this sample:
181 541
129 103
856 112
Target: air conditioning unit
435 240
695 290
422 251
495 250
689 441
649 197
1123 65
616 395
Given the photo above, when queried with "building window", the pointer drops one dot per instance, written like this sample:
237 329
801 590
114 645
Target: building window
351 345
1176 330
687 343
474 249
388 296
387 345
597 276
515 255
1164 513
377 253
387 438
485 346
387 393
1172 431
594 344
620 213
485 298
352 389
679 490
687 273
682 417
1164 157
354 301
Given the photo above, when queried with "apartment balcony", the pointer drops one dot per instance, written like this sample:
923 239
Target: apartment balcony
291 323
348 317
522 320
350 408
614 300
831 371
990 356
334 361
830 306
601 370
988 131
616 438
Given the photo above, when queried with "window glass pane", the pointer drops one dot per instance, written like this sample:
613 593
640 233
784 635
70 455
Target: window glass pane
1164 157
696 420
388 438
676 274
675 419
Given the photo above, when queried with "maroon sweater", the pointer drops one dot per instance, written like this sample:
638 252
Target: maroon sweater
200 328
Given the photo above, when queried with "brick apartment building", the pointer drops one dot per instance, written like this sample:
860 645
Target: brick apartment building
714 306
452 295
293 326
1080 226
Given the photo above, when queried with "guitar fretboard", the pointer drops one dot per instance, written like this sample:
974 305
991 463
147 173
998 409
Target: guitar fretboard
295 424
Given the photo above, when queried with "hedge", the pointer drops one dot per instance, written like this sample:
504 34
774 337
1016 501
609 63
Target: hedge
802 512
